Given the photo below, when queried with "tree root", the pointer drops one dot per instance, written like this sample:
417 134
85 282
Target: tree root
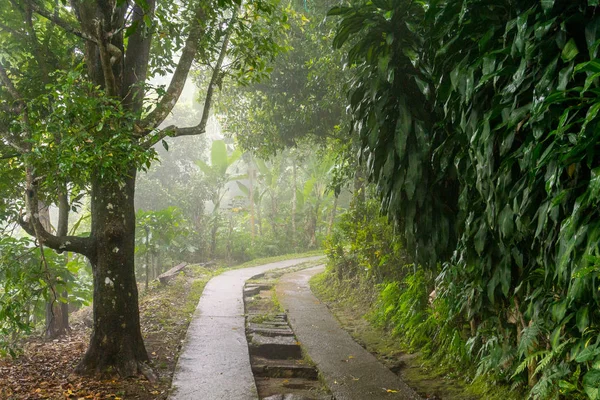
147 372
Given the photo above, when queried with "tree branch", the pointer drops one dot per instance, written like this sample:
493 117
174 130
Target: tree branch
12 31
53 17
110 80
9 84
9 156
76 244
136 58
33 226
173 131
13 141
166 104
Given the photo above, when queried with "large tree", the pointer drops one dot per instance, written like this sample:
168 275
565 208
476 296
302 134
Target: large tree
79 114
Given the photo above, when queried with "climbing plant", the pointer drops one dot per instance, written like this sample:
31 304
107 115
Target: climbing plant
478 121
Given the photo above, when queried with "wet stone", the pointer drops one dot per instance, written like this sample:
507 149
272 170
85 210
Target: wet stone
253 290
267 330
290 389
277 347
265 367
291 396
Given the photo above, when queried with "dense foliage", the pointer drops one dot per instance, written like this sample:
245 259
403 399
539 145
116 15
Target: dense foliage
479 122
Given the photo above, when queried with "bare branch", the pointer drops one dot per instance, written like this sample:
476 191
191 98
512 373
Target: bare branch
76 244
173 131
33 226
136 58
166 104
110 80
60 22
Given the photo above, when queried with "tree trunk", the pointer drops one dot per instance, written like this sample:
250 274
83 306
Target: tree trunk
62 230
274 215
55 326
251 180
332 216
259 220
359 185
213 236
147 258
116 339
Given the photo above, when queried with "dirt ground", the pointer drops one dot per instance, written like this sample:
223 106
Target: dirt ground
45 369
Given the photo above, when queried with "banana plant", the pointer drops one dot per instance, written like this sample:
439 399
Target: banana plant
316 194
218 175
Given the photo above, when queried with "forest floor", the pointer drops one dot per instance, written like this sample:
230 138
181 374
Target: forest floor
428 379
44 370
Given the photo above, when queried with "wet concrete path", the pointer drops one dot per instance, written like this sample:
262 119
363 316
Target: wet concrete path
349 371
214 363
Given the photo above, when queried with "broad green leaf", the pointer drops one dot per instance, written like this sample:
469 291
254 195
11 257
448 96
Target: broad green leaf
587 354
582 318
591 384
218 156
547 5
243 188
204 167
570 51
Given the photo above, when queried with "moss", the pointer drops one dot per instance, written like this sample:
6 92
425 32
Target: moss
353 300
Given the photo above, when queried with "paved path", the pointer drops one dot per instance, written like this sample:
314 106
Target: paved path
350 372
214 363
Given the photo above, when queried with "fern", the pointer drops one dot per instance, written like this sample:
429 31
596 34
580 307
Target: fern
555 352
529 339
532 357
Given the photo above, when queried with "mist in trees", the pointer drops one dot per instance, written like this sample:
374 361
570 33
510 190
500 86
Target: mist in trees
429 147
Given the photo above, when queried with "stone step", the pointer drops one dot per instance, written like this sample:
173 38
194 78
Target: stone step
265 367
276 347
285 388
273 324
254 289
270 330
293 396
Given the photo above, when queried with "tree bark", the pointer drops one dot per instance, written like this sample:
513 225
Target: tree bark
116 339
147 256
62 230
332 215
213 235
55 326
251 180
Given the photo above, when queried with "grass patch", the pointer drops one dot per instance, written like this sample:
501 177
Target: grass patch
260 261
351 301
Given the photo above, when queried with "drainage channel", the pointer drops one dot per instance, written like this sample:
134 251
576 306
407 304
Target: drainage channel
281 370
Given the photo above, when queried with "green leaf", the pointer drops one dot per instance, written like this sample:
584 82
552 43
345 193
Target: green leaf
582 318
218 155
338 11
591 384
480 237
558 310
547 5
243 188
165 145
506 221
587 354
570 51
204 167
